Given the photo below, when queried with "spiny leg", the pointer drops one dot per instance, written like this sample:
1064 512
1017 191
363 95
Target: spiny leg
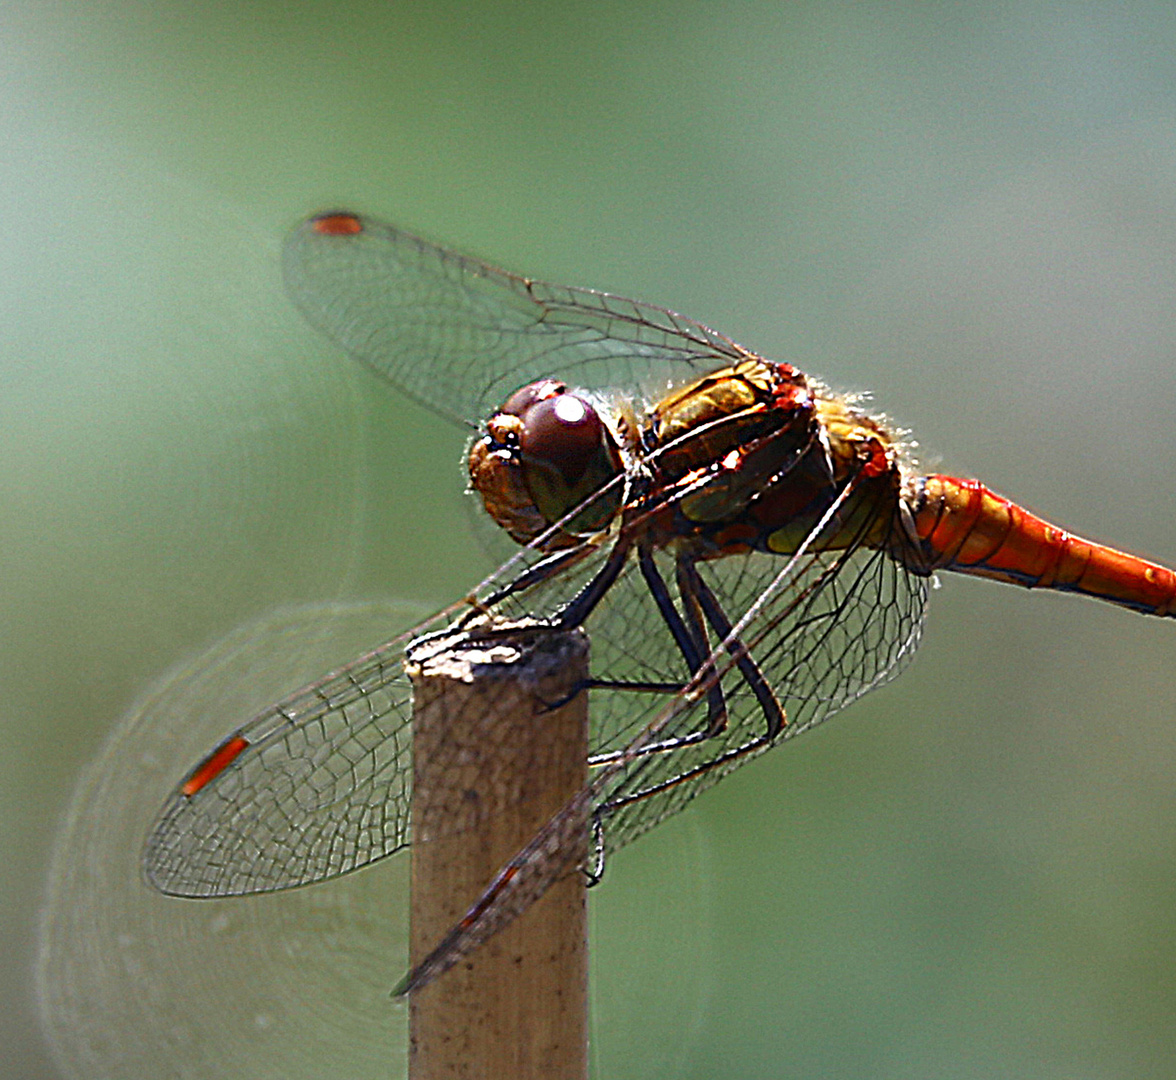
690 636
698 597
694 589
547 567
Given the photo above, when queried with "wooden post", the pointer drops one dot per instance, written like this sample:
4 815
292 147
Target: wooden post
492 763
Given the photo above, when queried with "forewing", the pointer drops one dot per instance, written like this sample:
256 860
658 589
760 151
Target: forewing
321 783
460 336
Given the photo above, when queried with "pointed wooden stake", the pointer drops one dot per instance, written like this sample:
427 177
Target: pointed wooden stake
492 763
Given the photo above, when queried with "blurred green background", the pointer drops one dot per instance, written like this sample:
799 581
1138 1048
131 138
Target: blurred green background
968 209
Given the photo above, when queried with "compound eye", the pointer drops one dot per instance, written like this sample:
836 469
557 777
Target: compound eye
524 398
562 435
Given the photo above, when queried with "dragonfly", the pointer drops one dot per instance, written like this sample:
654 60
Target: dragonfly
748 551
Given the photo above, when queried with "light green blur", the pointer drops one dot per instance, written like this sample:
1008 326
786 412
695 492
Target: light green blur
969 209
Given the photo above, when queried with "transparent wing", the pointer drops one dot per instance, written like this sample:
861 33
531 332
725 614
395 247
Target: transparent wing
461 336
312 787
843 624
321 783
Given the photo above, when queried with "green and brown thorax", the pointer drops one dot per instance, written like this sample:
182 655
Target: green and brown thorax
748 457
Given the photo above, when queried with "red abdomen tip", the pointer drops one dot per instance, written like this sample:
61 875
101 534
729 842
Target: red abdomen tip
213 765
342 224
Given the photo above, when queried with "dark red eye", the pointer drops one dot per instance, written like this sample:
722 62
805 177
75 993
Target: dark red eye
523 399
562 433
555 446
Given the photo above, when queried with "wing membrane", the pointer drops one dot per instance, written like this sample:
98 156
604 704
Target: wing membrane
460 336
319 788
842 625
321 783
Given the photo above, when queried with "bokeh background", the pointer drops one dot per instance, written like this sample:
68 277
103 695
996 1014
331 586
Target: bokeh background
968 209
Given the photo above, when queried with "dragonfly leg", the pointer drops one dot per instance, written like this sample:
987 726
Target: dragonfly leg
547 567
752 746
583 603
664 688
689 635
691 585
580 607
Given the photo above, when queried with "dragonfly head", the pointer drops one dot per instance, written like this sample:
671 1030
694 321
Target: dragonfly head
545 453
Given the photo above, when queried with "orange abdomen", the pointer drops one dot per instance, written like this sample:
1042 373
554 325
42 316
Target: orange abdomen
965 527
